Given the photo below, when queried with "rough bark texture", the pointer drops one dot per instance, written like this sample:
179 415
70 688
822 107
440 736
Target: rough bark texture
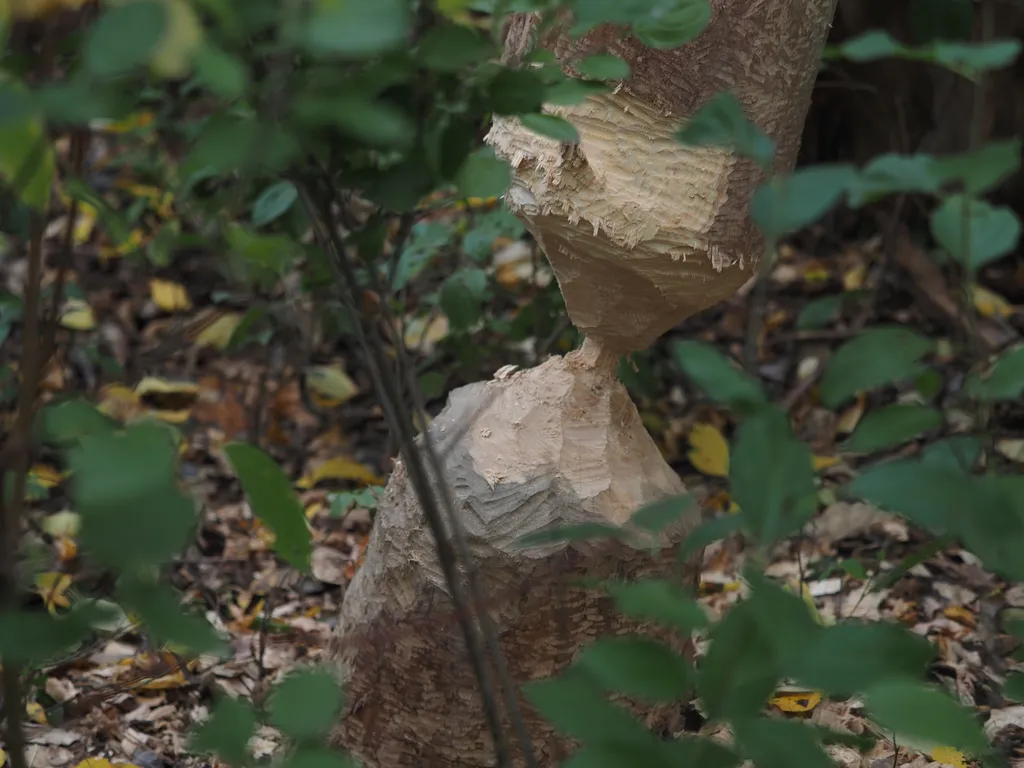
559 443
641 231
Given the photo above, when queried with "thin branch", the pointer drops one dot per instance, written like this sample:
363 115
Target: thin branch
401 423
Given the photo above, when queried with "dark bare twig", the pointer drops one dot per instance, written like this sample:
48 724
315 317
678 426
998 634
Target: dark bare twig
400 422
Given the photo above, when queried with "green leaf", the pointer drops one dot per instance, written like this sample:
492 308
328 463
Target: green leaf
721 121
992 231
552 126
568 533
820 313
926 493
958 453
915 711
30 637
64 423
371 120
358 29
717 376
636 666
891 173
317 757
452 47
273 203
425 242
603 66
660 601
227 732
696 751
771 476
775 743
870 46
709 532
227 143
159 607
124 37
891 426
846 659
570 92
483 174
273 502
789 203
659 515
739 673
874 358
516 92
984 168
306 704
221 72
27 161
1003 381
929 494
676 27
1013 688
462 297
576 707
976 57
126 490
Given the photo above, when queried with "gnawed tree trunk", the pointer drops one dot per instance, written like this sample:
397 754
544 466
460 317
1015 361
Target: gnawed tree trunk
641 233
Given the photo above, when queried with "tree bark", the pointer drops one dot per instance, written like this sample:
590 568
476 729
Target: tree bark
641 232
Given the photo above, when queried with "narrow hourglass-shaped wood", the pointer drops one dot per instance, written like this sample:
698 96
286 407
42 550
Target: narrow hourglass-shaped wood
641 232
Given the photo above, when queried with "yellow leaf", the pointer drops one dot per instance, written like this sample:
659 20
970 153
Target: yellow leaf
709 452
990 304
119 402
853 279
182 37
419 334
3 755
36 713
339 468
218 333
64 524
84 223
77 315
53 587
46 476
332 384
949 756
130 123
1012 449
796 701
133 242
851 416
169 296
824 462
152 386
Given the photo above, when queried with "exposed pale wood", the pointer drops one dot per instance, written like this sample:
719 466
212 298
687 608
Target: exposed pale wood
559 443
641 231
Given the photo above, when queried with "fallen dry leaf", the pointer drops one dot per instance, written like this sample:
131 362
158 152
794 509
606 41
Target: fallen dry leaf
77 315
53 587
796 701
709 452
169 296
330 385
339 468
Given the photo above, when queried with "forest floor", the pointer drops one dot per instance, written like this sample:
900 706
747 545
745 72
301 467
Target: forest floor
141 339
